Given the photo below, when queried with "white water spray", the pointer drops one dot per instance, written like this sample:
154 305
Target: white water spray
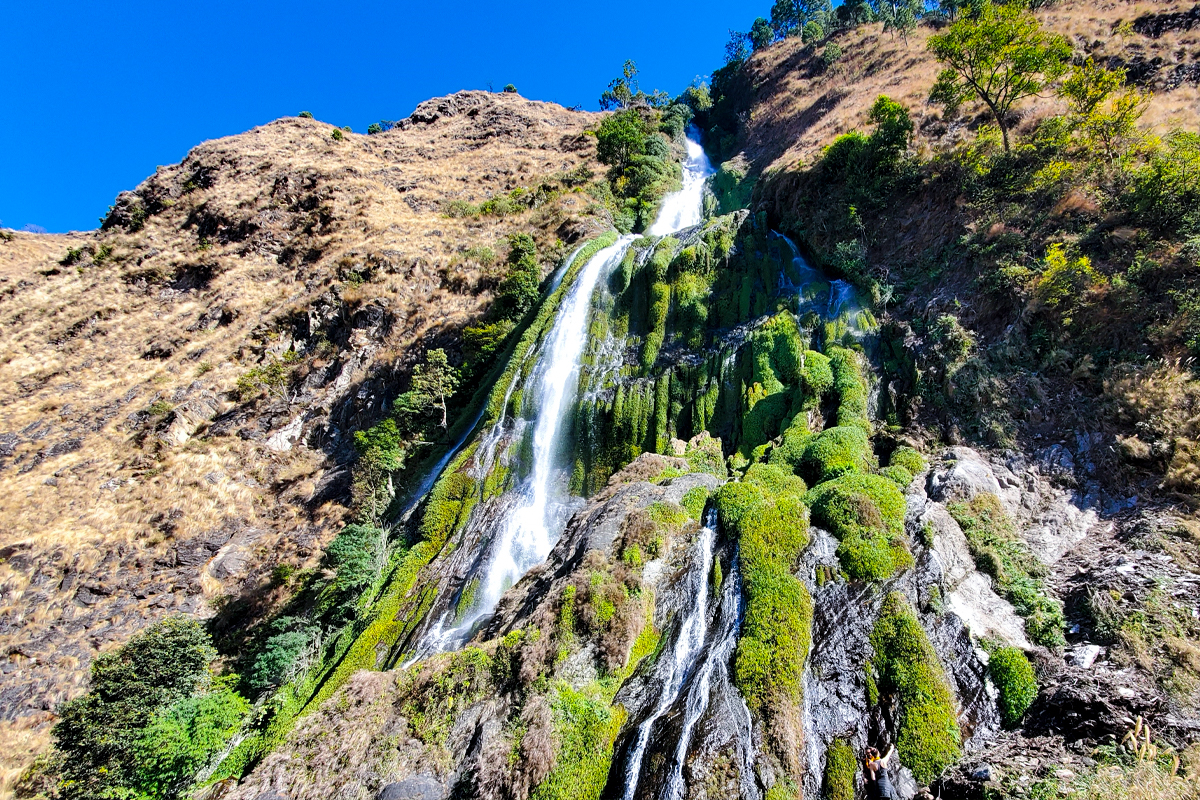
537 518
687 646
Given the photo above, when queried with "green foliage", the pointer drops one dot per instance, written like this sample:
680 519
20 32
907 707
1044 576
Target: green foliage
833 452
374 128
667 515
694 500
278 656
1000 56
482 343
434 699
1065 279
761 34
337 135
1103 116
585 728
906 664
1014 678
1000 552
831 54
510 89
185 736
97 735
355 555
1166 191
305 115
448 508
866 514
850 387
620 137
841 767
908 458
433 381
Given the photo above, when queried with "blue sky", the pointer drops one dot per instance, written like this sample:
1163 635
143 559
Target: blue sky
98 94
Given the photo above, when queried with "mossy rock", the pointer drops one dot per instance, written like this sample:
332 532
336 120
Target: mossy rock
1015 681
898 475
840 769
775 480
928 739
834 452
790 450
866 514
908 458
817 375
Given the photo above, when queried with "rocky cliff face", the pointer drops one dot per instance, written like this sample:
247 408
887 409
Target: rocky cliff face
179 387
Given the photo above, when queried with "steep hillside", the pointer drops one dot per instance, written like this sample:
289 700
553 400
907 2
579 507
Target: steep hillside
179 387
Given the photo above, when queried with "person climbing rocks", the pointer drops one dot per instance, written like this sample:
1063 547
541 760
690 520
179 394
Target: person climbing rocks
879 785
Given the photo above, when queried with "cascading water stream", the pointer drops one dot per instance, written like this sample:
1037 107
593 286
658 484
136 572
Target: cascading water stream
542 504
689 642
714 673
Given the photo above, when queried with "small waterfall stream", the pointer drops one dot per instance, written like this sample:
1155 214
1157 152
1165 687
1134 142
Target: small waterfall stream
692 635
541 505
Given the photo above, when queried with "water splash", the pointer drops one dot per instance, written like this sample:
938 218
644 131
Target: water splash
685 208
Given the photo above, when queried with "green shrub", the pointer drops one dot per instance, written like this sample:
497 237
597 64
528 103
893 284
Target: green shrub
337 135
1166 192
510 89
279 653
910 459
1000 552
1014 678
831 54
305 115
841 766
833 452
906 664
185 736
99 735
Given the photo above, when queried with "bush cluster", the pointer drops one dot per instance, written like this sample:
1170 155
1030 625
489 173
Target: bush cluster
1014 678
866 514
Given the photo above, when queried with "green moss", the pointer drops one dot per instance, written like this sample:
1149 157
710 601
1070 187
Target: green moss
1000 552
1014 678
850 387
782 789
898 475
466 600
910 459
694 500
817 374
585 728
433 699
776 635
775 480
835 451
866 514
928 738
790 450
449 505
667 515
841 766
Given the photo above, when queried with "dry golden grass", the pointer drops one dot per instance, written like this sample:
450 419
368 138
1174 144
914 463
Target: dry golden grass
798 110
99 512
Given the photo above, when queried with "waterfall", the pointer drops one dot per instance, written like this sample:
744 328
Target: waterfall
688 644
714 674
830 300
540 504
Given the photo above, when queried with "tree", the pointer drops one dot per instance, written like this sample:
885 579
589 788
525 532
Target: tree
761 34
621 91
620 137
902 16
737 49
435 380
1100 114
788 17
1001 56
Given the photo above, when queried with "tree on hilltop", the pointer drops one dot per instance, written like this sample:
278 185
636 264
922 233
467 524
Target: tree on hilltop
999 56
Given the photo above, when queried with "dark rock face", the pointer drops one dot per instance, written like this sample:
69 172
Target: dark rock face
418 787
